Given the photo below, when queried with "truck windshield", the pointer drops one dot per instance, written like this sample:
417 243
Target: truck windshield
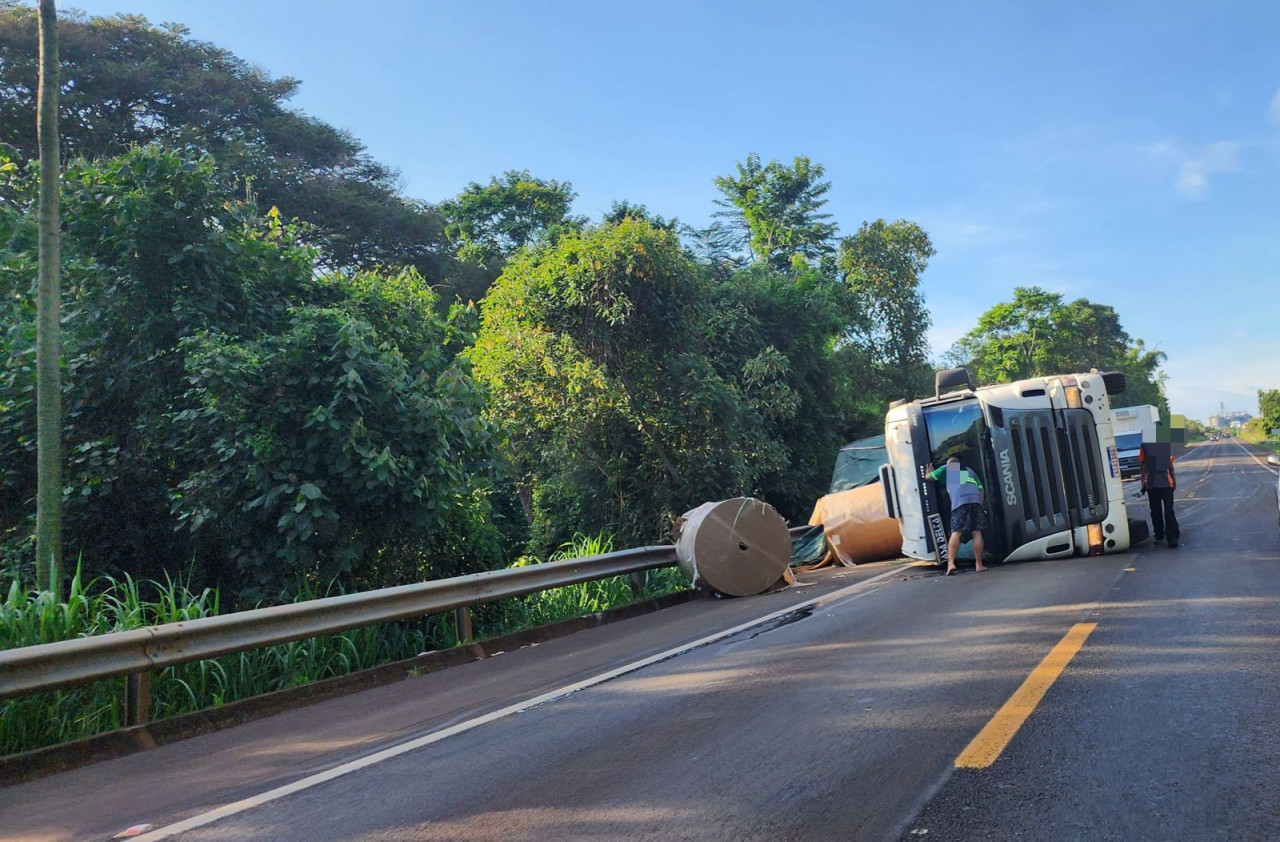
955 429
1128 441
858 464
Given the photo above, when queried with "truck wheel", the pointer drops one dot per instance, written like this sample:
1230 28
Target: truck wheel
1138 532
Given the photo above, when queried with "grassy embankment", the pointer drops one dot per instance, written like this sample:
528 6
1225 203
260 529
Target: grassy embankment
1254 434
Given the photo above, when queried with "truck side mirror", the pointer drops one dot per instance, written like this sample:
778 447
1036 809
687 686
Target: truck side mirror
951 380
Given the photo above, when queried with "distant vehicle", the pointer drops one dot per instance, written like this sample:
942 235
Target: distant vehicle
1133 426
1043 449
1213 437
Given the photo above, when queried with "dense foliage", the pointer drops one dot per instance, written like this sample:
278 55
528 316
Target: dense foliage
227 406
1269 409
126 83
258 400
634 383
1040 333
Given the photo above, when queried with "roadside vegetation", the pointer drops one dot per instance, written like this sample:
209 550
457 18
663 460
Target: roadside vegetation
1268 421
282 378
114 605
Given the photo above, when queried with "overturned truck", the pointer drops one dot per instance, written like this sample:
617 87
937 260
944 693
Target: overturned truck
1045 453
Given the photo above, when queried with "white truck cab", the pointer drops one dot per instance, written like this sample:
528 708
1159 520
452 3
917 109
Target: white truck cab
1043 449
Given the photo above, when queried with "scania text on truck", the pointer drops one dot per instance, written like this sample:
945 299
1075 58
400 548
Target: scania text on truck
1043 449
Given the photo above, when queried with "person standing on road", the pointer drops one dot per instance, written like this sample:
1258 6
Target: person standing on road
1158 483
968 515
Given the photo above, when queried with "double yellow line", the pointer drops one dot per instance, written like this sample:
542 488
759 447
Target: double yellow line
983 750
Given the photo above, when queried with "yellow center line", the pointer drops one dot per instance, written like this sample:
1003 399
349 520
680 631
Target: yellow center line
991 740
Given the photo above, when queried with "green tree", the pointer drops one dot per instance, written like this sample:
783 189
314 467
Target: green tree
621 210
48 340
776 336
1143 377
348 445
487 223
775 210
633 383
594 351
882 265
1038 333
1269 409
229 406
497 219
127 83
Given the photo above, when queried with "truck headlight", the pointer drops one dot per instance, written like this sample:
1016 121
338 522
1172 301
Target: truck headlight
1095 539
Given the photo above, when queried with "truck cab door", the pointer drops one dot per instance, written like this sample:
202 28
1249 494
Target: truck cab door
924 536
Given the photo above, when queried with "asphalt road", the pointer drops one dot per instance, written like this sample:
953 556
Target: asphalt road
843 718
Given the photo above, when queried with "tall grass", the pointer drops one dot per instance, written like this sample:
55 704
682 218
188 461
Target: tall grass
108 605
577 600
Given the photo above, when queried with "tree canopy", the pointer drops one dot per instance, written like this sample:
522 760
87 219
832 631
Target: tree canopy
229 406
633 384
1039 333
882 265
1269 409
774 210
495 220
127 82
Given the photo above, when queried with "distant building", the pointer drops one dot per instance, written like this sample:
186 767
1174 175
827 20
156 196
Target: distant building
1223 420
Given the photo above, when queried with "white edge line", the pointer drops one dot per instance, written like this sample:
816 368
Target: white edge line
1256 459
436 736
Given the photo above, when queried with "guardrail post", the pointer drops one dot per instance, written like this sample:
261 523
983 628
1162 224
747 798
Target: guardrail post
462 624
137 698
636 581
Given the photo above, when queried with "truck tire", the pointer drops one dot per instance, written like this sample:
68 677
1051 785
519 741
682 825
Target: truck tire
1138 531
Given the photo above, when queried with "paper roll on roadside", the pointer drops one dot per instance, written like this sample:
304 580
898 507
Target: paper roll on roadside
735 547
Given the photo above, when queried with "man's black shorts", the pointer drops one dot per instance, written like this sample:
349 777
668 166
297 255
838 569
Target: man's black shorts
967 518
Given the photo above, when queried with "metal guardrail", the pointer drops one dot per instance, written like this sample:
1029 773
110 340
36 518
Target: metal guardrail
137 653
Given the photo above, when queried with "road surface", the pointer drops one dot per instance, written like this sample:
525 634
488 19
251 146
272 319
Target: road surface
1144 692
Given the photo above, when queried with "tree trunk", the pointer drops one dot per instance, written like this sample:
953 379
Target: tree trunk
48 339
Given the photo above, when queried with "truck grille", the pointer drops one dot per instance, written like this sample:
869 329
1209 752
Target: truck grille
1085 484
1057 472
1039 473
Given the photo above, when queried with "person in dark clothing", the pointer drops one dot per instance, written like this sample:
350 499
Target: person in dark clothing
968 515
1158 483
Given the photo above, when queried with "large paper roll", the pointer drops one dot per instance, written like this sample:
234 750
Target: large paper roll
736 547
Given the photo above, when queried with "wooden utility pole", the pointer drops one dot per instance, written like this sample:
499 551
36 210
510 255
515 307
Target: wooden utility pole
48 324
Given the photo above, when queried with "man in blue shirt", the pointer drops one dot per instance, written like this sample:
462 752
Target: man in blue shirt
968 515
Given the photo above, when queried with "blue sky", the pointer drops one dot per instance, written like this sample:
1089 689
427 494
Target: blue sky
1128 153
